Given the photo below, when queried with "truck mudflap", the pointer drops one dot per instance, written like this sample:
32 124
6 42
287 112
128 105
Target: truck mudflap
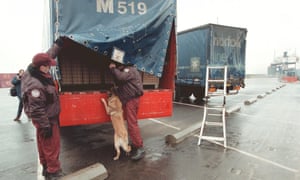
82 108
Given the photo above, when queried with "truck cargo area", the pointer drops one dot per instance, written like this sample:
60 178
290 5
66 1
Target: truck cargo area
82 70
98 32
84 79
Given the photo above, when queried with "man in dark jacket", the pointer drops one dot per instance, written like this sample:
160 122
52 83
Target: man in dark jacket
16 81
41 104
129 89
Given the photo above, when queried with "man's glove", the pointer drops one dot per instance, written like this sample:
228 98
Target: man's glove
46 132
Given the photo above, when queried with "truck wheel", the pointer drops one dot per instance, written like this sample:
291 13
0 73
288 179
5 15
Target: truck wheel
199 94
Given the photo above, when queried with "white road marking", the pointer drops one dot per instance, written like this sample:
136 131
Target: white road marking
235 149
254 156
39 170
165 124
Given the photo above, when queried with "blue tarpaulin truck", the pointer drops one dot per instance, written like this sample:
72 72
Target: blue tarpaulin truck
209 45
140 32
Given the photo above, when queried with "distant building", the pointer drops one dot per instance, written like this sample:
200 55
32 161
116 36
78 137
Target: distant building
285 66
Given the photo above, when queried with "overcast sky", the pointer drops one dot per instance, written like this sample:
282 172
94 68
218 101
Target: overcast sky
21 33
272 26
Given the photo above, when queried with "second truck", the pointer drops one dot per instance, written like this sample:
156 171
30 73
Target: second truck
209 45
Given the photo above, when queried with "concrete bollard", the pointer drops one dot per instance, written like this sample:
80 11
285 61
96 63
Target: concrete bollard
261 96
232 109
181 135
250 101
268 92
94 172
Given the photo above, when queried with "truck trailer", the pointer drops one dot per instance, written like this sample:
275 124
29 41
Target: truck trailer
209 45
95 32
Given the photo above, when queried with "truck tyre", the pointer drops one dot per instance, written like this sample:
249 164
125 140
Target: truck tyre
199 93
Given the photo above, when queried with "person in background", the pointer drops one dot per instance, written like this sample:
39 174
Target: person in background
16 81
42 105
129 89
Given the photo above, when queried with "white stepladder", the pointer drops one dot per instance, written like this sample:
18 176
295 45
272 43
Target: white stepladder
213 108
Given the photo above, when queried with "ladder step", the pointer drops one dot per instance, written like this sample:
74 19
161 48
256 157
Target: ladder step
216 80
213 123
216 67
215 107
214 114
212 138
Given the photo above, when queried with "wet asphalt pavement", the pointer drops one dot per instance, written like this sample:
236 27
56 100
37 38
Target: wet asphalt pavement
262 140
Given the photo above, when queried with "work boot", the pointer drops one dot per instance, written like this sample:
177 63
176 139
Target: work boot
54 176
140 153
17 118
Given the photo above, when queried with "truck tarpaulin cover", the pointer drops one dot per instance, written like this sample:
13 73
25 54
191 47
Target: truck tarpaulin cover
214 45
138 31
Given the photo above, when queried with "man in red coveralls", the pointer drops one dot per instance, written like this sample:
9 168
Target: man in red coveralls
129 89
41 104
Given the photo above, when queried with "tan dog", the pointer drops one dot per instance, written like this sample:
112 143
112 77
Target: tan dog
113 108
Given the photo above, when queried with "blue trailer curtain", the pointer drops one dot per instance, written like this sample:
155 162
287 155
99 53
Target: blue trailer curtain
139 29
